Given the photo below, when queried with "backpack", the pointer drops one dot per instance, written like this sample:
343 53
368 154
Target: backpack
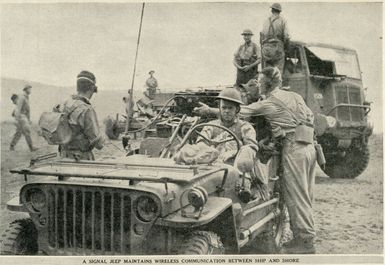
55 127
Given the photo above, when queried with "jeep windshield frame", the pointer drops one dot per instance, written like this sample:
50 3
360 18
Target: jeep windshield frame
332 62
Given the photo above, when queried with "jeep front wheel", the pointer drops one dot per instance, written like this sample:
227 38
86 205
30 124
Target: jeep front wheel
201 243
351 165
20 238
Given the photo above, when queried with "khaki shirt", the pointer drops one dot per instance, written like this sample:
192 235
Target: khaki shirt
152 82
84 124
277 115
275 27
22 106
248 53
242 129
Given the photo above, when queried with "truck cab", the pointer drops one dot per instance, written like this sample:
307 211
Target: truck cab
329 79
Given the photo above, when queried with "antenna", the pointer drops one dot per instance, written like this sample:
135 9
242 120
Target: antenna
131 91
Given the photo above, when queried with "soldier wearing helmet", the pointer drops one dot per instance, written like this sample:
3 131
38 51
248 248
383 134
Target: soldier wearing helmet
274 38
229 107
246 59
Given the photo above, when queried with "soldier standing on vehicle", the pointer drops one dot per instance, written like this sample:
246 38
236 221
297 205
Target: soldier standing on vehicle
83 121
274 39
246 59
151 84
22 115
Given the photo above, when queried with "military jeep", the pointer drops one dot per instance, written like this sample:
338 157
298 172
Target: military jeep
329 79
143 204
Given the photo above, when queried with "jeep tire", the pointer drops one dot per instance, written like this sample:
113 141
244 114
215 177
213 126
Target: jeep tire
20 238
350 166
201 243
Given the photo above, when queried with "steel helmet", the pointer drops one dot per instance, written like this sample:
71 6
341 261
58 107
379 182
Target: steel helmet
276 6
247 32
231 94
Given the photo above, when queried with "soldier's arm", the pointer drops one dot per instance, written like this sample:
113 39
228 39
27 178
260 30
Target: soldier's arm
255 56
19 105
248 134
236 60
305 109
252 109
205 110
91 129
286 34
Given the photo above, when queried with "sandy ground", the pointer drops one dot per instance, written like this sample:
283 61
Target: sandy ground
348 213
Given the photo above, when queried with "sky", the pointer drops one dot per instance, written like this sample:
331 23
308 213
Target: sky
187 44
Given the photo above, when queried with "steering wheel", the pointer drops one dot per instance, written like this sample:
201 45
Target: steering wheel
211 142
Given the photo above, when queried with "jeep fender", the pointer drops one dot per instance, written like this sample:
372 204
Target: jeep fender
213 208
14 205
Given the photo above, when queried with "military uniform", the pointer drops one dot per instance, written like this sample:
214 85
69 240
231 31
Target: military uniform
247 53
23 121
152 85
242 129
85 129
298 159
274 37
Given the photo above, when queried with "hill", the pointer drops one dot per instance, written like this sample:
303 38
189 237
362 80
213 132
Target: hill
44 97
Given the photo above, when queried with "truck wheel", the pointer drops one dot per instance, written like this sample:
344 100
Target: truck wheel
111 128
350 166
20 238
201 243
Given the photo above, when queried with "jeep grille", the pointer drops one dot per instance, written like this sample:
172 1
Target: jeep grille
89 221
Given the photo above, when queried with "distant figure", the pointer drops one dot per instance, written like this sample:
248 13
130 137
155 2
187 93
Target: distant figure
246 59
151 84
274 39
83 121
23 120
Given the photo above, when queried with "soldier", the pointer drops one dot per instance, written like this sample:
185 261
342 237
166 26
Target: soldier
23 119
285 110
83 121
151 84
274 38
246 59
229 107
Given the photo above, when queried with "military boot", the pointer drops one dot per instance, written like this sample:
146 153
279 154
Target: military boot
299 246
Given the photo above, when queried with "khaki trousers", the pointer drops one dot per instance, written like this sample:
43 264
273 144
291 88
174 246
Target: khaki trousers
23 127
299 161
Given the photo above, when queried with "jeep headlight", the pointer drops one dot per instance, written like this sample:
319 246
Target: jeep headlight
197 197
36 199
146 208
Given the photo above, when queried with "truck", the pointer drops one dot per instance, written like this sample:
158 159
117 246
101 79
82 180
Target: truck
329 79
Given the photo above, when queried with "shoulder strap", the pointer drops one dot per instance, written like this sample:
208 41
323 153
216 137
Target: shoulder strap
283 105
271 26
